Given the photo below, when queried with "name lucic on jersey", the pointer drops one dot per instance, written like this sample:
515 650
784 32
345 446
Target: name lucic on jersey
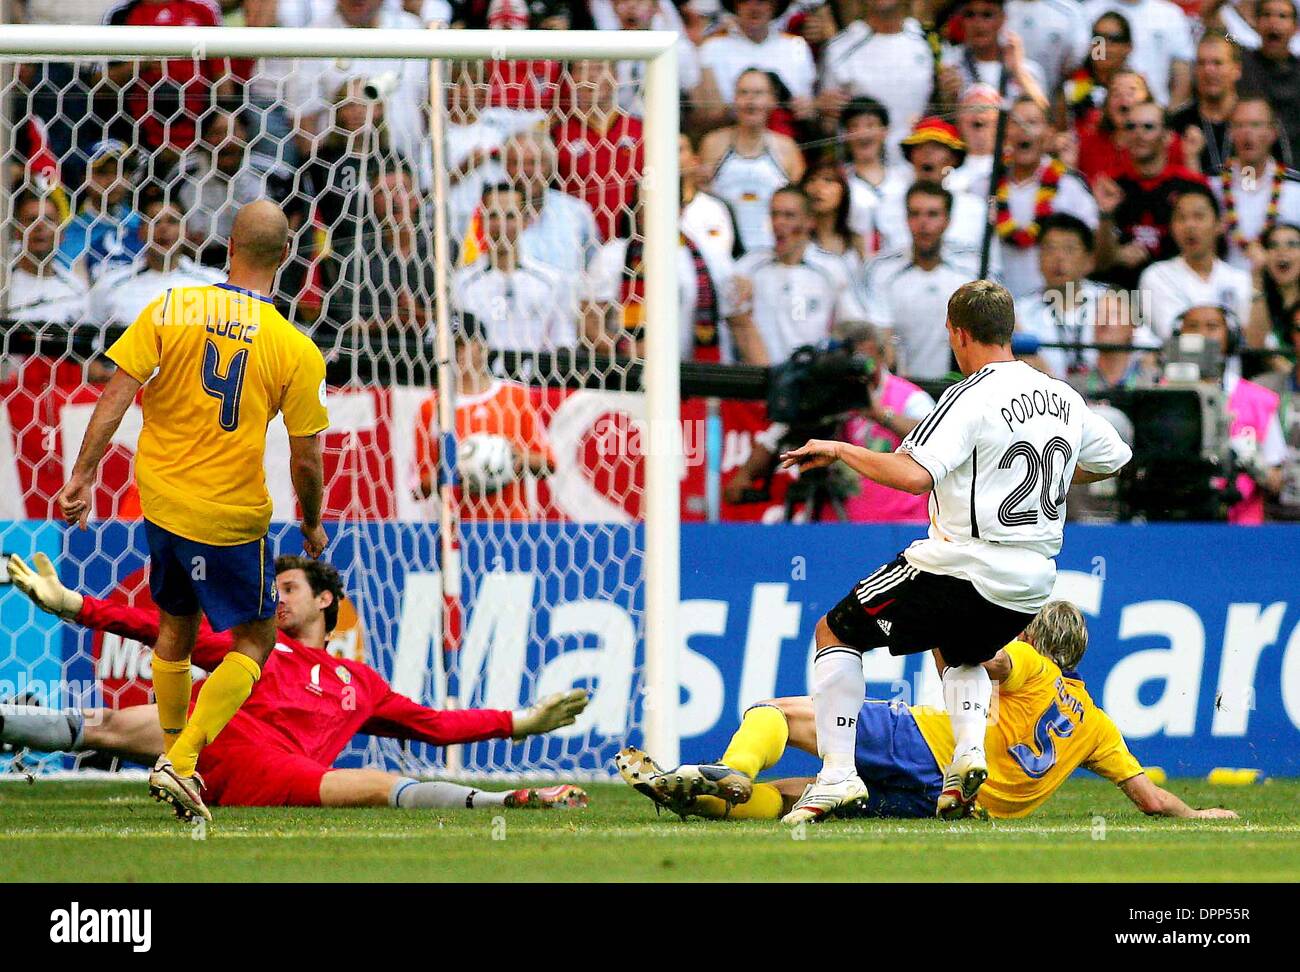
1027 405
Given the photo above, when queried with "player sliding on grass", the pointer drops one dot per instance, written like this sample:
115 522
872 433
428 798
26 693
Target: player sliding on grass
1043 727
216 365
997 455
277 749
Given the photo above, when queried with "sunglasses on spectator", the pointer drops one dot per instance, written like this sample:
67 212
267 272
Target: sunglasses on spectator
1142 126
1112 38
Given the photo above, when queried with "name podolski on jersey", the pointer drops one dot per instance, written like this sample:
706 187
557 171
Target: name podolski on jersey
1021 408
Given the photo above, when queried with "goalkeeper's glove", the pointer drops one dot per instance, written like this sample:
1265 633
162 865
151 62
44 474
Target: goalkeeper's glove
42 585
552 712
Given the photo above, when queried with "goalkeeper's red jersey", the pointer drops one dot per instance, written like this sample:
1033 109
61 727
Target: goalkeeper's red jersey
307 701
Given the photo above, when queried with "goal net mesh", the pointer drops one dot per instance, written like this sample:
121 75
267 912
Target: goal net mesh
122 178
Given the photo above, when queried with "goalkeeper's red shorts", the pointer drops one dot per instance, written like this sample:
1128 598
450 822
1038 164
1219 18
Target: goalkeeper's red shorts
248 776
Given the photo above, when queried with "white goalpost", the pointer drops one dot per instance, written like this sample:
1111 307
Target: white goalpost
404 545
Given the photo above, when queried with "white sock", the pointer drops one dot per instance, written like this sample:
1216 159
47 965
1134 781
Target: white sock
437 795
967 694
838 690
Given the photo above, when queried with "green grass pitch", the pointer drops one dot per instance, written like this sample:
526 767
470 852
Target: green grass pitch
84 831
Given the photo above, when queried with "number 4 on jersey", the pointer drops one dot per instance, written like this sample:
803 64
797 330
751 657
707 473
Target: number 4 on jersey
225 386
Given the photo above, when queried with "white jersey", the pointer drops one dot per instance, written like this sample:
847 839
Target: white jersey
796 304
895 69
711 225
57 297
1054 33
1168 288
747 184
1002 447
913 304
787 56
1020 269
865 196
530 308
121 293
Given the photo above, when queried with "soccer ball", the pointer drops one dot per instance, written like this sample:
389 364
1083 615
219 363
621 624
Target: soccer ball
486 463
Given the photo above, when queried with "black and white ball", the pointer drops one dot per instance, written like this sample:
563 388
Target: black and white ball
486 462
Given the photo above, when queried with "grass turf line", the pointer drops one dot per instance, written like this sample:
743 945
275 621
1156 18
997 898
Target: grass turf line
80 832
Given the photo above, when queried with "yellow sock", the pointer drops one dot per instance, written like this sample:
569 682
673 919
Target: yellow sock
759 742
765 804
219 699
171 692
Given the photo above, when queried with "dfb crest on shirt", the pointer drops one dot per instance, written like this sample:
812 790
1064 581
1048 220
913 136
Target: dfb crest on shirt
344 675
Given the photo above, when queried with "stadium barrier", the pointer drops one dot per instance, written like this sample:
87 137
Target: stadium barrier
1195 630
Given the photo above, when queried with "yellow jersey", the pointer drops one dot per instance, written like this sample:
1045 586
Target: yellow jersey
1043 725
217 363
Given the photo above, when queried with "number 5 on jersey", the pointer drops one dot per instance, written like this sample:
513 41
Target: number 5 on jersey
225 386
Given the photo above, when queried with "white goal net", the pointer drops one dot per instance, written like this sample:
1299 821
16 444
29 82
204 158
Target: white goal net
476 229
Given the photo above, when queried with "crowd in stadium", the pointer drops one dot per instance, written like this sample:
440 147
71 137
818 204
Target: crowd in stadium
836 179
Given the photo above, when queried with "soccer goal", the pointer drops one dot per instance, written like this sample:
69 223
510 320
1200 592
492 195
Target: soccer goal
483 242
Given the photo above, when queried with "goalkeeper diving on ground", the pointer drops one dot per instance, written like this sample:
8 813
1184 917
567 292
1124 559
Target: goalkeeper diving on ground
278 749
1042 727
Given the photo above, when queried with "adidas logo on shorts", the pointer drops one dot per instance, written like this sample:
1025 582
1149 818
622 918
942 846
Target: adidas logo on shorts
885 626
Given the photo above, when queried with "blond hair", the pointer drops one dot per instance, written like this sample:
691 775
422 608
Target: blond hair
985 310
1060 633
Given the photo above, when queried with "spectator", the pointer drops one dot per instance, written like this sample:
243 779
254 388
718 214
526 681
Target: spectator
642 15
1276 294
1064 310
389 284
402 87
712 326
1135 208
40 290
977 122
1131 367
907 291
1273 71
990 54
871 177
748 163
121 293
217 177
1103 148
104 233
1255 430
524 305
485 405
167 98
934 150
1055 36
1204 120
798 294
560 230
601 149
706 219
1162 44
1082 97
754 42
1034 186
828 193
1254 189
886 58
476 134
1196 275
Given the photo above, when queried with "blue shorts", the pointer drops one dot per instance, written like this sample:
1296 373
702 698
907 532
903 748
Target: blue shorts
894 761
231 585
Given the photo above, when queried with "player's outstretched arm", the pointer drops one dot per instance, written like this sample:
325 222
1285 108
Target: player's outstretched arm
307 470
553 712
117 396
43 587
897 470
1157 802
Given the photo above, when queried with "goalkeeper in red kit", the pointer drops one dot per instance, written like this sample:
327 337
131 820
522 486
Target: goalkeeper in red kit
278 749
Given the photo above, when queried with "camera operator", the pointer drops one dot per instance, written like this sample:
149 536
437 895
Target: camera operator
894 408
1255 431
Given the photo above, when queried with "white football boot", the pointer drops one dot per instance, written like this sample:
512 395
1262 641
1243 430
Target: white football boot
821 800
181 793
961 785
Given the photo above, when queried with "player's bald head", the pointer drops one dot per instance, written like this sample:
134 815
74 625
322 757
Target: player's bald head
259 235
